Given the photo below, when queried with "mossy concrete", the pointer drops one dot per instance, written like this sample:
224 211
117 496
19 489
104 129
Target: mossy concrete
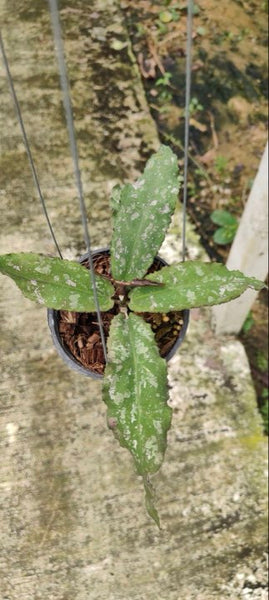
73 524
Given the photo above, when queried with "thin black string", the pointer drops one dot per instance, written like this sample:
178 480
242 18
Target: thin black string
187 124
56 27
26 143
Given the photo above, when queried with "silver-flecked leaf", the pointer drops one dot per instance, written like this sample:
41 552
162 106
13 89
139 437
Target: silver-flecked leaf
141 214
56 283
135 392
191 284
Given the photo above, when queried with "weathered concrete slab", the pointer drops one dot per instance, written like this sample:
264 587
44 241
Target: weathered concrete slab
73 525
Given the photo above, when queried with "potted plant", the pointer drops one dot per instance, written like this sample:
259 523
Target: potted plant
132 288
76 335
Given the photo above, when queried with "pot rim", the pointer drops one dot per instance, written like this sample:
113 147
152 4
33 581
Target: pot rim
68 357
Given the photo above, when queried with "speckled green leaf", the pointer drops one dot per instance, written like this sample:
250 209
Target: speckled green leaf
56 283
189 285
223 218
224 235
142 213
135 391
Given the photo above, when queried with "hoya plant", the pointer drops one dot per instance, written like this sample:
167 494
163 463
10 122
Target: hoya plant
135 380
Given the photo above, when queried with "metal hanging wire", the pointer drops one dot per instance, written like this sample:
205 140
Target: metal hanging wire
26 143
57 34
187 121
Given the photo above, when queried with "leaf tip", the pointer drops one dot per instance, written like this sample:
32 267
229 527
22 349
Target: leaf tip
150 501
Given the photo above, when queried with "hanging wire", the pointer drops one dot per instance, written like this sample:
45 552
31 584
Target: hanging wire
187 124
57 33
26 143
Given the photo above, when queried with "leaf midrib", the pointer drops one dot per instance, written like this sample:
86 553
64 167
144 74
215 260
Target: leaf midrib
137 387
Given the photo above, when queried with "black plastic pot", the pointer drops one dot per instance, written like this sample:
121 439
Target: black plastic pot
67 356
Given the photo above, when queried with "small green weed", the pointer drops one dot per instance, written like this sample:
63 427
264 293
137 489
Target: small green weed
228 226
196 9
262 362
166 16
195 106
221 164
248 324
163 83
164 80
